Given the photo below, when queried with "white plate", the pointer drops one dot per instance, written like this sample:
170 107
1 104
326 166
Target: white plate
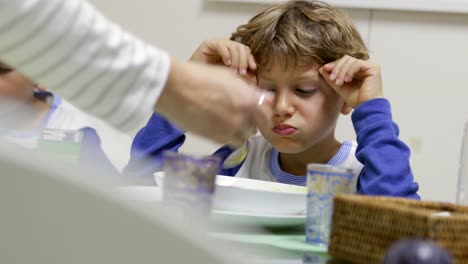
140 193
255 197
258 219
154 194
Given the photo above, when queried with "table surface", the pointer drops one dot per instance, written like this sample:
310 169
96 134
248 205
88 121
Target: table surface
259 244
272 245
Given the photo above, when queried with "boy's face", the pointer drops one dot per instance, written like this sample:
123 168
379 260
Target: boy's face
304 110
13 85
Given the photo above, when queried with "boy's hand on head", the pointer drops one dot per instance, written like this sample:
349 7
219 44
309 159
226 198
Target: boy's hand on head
357 81
226 52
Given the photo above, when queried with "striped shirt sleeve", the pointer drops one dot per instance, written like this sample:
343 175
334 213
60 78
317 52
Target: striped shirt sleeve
73 50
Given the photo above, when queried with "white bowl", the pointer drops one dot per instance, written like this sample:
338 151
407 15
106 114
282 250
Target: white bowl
254 196
261 197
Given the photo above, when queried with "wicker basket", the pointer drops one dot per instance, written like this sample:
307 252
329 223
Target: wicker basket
363 227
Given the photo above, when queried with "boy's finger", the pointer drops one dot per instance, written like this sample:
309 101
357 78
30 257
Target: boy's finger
343 74
243 59
234 57
365 68
353 71
328 67
337 68
252 63
326 76
223 51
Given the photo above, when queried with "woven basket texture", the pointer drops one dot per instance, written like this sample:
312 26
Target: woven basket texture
364 227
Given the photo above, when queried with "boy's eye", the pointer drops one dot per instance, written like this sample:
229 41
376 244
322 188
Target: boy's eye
306 91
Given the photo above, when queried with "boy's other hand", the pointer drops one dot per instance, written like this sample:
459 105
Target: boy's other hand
226 52
357 81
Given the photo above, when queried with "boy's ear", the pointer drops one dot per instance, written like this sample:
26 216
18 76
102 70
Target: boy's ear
346 109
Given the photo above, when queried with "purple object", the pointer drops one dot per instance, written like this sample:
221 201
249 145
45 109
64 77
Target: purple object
189 181
417 251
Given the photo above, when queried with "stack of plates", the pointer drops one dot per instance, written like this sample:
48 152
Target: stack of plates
249 201
244 201
258 202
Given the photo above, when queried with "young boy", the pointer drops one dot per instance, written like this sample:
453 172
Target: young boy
313 60
27 109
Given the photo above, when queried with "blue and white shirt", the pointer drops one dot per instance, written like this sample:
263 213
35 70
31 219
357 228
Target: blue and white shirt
379 158
257 159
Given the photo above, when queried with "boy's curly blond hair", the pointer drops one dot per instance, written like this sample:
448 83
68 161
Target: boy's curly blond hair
301 31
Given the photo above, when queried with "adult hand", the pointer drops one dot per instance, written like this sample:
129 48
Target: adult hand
357 81
210 101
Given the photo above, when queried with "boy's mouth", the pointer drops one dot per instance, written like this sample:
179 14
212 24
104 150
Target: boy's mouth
284 129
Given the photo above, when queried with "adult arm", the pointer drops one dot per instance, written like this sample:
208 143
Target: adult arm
75 51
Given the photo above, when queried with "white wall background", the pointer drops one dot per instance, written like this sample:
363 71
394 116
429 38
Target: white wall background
424 58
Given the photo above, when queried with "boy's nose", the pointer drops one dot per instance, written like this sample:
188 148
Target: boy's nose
283 106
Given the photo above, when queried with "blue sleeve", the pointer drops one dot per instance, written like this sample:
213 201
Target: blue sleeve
224 153
148 146
385 157
92 156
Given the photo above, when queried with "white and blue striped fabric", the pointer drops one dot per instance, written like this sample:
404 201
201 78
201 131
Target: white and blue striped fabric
73 50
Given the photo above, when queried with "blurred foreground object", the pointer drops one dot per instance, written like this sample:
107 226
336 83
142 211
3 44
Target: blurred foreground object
462 198
57 214
416 251
364 227
189 184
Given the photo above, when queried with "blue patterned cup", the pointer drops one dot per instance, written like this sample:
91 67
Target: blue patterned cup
315 258
323 183
189 181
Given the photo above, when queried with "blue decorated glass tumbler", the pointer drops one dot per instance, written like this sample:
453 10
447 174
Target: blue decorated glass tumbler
323 183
